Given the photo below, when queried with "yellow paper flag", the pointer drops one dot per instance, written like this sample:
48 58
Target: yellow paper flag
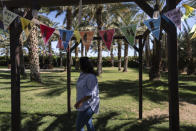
77 35
26 25
194 36
188 12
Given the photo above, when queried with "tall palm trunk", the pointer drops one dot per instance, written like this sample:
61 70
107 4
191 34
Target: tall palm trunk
164 56
22 64
135 52
125 57
76 59
7 56
50 55
147 52
61 58
85 53
112 55
33 54
190 63
119 54
99 23
82 50
154 73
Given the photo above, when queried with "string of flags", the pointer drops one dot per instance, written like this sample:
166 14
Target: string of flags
153 25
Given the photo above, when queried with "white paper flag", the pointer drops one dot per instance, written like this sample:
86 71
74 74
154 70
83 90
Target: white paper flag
175 16
193 29
8 18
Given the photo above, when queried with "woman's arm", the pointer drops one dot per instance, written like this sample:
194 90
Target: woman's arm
80 102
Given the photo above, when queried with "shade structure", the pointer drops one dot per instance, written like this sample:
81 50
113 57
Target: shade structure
43 3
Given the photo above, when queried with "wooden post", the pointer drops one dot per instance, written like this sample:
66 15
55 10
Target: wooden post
140 76
15 76
68 80
173 73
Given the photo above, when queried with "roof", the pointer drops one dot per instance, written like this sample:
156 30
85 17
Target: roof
48 3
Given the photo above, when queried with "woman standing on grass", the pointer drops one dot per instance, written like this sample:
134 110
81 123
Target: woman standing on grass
87 101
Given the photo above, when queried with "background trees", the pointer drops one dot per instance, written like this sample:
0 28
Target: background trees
105 17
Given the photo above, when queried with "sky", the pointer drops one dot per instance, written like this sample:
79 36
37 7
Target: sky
59 19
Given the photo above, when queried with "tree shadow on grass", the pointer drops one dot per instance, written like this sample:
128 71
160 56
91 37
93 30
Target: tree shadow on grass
62 122
5 121
128 87
33 122
144 125
155 91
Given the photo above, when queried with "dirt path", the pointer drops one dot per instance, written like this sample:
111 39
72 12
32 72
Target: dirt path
187 112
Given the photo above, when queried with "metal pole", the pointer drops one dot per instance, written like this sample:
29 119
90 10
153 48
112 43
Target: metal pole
173 74
140 76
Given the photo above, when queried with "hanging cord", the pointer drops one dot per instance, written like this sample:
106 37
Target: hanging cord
80 12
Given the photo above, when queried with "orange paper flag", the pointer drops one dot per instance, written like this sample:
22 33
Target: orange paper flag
87 37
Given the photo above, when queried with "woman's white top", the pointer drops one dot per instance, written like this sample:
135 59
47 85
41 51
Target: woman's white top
87 85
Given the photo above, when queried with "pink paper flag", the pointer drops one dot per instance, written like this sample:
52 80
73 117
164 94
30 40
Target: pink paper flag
175 16
60 44
46 33
107 37
87 37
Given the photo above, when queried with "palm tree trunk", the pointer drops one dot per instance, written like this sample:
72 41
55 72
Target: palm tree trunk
33 55
99 23
164 50
76 59
112 55
85 53
119 54
22 64
7 57
82 50
190 63
61 58
50 56
154 73
125 57
147 52
135 52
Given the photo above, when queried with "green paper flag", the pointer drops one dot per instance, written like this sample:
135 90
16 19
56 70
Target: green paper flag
129 33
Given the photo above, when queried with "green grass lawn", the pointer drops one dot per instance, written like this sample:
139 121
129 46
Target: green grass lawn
44 107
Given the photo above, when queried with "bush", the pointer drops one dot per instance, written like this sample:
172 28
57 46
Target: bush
44 61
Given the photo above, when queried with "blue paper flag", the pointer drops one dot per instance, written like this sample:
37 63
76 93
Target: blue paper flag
154 26
66 36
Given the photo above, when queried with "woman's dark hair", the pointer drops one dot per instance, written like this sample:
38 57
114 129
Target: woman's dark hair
86 66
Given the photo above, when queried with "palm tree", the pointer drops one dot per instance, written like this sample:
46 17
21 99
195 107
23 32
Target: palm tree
124 16
188 47
192 3
125 57
99 27
111 53
33 55
147 52
154 73
22 64
119 54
